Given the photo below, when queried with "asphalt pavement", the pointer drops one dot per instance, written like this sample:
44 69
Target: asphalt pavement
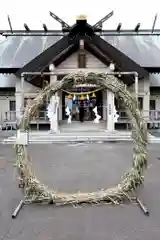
85 167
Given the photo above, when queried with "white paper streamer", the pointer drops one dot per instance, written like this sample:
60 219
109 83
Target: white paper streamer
97 116
115 115
74 97
68 113
52 112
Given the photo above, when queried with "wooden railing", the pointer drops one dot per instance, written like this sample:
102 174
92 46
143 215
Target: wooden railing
150 116
10 116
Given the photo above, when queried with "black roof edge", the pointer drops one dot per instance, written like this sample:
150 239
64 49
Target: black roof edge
8 70
152 69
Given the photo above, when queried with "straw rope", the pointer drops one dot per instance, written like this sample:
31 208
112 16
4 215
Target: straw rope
34 191
82 93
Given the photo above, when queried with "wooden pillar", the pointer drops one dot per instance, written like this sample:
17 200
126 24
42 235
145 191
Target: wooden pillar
110 111
54 125
19 100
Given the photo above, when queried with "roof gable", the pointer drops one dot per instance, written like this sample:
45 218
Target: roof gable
93 43
72 61
122 61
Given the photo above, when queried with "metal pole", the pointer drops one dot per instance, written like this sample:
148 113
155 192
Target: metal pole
136 85
22 94
143 207
36 33
37 73
18 208
122 73
62 71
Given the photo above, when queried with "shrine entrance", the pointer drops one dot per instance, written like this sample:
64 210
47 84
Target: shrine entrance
82 101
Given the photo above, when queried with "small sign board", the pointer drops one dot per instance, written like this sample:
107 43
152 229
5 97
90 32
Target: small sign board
22 137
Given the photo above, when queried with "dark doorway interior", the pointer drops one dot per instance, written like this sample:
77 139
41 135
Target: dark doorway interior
89 104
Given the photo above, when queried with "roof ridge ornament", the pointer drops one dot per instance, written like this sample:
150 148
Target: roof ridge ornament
81 17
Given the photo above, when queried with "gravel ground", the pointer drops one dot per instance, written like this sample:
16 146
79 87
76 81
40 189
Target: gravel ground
84 167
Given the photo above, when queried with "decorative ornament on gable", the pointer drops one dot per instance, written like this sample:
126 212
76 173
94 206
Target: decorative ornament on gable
51 67
112 66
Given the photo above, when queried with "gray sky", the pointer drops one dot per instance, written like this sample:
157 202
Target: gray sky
35 12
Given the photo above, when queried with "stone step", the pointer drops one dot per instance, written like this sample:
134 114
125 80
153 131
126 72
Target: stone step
83 137
89 133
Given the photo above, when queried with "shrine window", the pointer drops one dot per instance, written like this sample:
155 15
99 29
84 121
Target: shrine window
12 105
140 103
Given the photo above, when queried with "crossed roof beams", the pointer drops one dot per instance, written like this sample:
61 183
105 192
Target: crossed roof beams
97 27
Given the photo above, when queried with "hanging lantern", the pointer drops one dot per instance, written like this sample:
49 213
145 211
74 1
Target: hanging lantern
81 97
93 95
87 97
69 96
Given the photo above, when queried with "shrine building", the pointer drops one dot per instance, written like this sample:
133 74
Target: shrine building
81 49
